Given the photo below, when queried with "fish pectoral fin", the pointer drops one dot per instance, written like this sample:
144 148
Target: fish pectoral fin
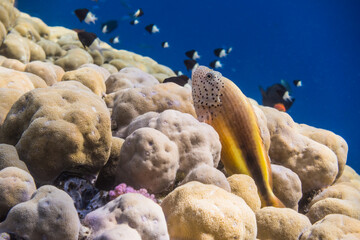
204 115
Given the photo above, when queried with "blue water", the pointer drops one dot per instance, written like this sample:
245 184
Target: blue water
315 41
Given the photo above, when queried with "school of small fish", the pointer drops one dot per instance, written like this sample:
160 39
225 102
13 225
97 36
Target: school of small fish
88 39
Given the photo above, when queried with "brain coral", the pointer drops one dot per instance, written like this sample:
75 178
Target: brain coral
59 129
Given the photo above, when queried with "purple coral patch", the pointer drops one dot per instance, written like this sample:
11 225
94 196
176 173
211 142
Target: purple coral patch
122 188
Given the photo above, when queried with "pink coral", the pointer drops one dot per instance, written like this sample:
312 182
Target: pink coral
122 188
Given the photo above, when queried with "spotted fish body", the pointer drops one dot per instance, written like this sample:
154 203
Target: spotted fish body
220 103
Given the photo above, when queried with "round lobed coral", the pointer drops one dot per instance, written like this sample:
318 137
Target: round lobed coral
280 223
8 97
132 209
13 64
49 214
122 188
89 77
73 59
244 186
10 158
287 186
132 102
15 80
197 142
148 159
208 175
201 211
47 71
129 77
314 163
333 226
341 198
16 186
59 129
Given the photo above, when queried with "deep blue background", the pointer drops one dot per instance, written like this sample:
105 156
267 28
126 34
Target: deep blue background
315 41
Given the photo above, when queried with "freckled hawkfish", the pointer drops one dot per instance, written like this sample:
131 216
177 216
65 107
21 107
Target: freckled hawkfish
220 103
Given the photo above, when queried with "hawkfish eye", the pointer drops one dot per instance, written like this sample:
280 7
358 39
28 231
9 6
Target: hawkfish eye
209 75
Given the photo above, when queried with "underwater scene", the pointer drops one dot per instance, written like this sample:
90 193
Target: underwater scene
191 120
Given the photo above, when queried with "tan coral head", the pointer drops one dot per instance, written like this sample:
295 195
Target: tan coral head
220 103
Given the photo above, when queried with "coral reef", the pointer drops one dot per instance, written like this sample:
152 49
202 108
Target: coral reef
123 189
202 211
146 153
271 223
112 141
16 186
77 119
48 208
133 102
129 77
131 209
244 186
333 226
197 142
208 175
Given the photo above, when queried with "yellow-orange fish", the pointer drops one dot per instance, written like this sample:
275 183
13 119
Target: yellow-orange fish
220 103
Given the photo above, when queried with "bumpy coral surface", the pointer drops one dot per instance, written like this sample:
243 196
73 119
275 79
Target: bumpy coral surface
244 186
129 77
201 211
49 214
59 129
37 81
47 71
333 226
197 142
134 210
100 69
280 223
89 77
73 59
287 186
208 175
8 97
336 143
60 133
10 158
120 232
15 80
314 163
132 102
16 186
13 64
148 159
